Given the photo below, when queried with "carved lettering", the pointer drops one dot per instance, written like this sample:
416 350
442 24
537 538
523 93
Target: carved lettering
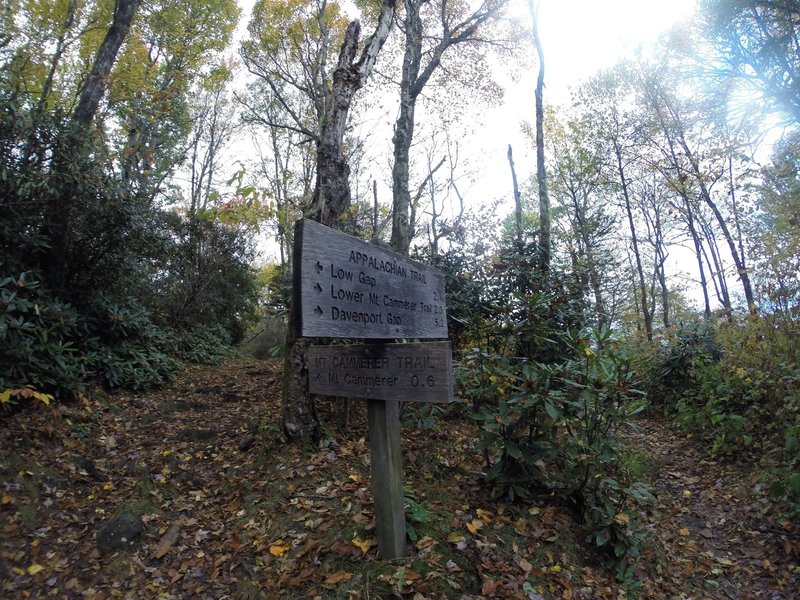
414 362
352 289
341 274
416 371
397 303
366 279
354 316
348 295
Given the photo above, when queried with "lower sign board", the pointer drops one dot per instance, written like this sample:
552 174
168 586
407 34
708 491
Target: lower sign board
418 372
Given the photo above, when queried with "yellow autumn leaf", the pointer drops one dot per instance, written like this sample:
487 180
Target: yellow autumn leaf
108 485
362 544
474 526
622 518
484 516
454 537
34 569
684 532
279 548
7 499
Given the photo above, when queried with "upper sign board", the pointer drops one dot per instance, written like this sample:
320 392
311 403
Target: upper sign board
351 288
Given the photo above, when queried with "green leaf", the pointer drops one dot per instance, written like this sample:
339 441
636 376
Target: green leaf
495 470
513 450
551 410
481 416
488 441
601 537
794 483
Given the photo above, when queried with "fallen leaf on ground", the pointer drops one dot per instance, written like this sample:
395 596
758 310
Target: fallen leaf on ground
362 544
279 548
338 577
167 541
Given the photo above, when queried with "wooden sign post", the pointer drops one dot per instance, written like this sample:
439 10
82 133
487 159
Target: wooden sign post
348 288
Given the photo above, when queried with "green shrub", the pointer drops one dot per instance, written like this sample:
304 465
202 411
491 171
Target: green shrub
133 286
786 479
673 373
269 339
553 426
201 345
36 338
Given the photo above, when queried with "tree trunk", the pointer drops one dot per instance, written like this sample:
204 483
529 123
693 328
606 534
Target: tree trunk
375 213
59 207
698 249
402 228
545 244
517 201
59 52
715 262
414 78
741 268
705 195
646 314
591 265
331 199
93 88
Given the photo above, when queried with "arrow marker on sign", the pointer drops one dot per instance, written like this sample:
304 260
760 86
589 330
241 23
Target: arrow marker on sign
318 287
318 311
318 267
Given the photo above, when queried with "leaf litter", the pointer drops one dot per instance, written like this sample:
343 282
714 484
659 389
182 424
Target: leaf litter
231 510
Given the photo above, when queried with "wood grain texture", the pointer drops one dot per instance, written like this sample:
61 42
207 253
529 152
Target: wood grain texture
386 466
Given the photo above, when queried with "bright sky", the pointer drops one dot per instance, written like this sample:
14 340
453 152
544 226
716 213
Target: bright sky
579 38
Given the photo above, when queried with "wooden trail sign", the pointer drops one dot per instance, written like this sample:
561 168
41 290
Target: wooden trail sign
350 288
417 372
347 288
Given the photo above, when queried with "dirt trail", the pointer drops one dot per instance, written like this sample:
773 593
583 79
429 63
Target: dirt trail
715 533
231 511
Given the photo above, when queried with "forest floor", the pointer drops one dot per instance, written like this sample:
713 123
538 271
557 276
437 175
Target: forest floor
222 507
